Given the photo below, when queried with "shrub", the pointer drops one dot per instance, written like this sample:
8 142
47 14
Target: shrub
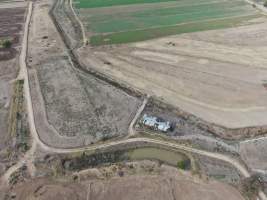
250 186
6 43
265 4
181 164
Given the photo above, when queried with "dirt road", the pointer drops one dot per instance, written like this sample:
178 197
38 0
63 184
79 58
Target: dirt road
131 131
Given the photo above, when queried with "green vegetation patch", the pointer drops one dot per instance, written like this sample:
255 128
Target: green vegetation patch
140 35
86 160
16 108
106 3
6 43
219 176
110 24
118 22
18 126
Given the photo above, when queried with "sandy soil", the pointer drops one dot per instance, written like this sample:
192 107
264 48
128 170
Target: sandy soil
215 75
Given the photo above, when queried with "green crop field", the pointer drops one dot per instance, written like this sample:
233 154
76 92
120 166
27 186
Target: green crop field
106 3
122 21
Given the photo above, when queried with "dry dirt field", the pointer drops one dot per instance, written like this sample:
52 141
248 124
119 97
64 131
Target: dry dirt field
167 183
12 17
216 75
11 23
11 26
254 154
71 108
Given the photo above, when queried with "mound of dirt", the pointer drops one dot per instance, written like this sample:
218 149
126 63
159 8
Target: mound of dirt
169 185
46 189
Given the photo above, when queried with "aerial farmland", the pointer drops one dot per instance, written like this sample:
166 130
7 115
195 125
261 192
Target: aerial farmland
133 99
194 55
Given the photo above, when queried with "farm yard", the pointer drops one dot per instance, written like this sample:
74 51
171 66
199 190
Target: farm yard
116 21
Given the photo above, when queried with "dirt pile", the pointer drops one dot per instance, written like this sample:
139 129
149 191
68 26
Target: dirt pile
169 184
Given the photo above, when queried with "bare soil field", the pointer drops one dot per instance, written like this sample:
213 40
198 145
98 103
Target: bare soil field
217 76
149 181
11 19
71 108
11 27
218 170
254 154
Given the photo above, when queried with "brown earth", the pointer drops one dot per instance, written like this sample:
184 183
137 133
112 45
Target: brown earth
169 184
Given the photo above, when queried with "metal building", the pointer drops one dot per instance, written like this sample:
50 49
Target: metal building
156 123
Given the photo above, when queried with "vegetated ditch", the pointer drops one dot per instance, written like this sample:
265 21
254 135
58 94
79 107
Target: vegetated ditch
18 142
91 160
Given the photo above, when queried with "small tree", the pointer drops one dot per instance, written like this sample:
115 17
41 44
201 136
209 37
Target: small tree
250 186
181 164
6 43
